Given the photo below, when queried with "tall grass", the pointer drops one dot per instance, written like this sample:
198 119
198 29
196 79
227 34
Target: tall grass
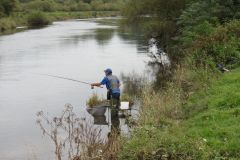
94 100
162 112
133 84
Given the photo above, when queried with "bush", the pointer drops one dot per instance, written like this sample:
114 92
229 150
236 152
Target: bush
99 5
7 24
83 6
209 45
7 6
37 19
45 6
1 11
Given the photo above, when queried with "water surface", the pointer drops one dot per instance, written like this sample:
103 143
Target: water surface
79 49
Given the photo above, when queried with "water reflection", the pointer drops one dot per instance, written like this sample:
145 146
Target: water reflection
101 35
100 117
115 118
100 120
133 35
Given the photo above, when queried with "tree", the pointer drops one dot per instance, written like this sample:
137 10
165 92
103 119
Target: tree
87 1
8 6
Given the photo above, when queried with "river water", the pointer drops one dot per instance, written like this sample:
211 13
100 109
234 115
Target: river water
79 49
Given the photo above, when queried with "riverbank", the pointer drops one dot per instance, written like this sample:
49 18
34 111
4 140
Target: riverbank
204 126
20 21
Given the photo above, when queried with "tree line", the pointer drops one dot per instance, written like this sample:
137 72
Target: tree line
207 31
8 6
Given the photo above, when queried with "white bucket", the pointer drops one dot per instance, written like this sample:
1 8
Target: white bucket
124 106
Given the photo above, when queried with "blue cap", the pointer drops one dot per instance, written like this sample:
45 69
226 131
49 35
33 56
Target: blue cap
108 71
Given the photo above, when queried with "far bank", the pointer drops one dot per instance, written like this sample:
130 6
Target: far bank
19 21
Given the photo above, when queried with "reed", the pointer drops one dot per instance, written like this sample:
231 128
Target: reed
94 100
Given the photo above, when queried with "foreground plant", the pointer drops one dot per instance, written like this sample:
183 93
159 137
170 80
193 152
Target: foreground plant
76 138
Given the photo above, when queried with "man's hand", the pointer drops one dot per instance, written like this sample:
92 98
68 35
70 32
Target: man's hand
96 84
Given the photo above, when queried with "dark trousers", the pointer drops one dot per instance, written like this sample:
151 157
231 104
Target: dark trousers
114 96
111 95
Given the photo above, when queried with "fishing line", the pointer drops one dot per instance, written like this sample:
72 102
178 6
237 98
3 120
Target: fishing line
70 79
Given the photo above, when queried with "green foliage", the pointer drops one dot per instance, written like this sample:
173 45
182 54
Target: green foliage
45 6
133 10
80 15
218 124
202 29
157 18
7 6
83 6
37 19
28 12
72 5
87 1
164 10
1 11
203 36
189 119
7 24
220 44
209 133
99 5
176 25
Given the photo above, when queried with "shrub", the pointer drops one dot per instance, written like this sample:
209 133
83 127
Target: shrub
45 6
7 6
99 5
7 24
1 11
37 19
210 45
83 6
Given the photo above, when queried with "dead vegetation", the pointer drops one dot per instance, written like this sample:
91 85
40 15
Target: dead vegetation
75 139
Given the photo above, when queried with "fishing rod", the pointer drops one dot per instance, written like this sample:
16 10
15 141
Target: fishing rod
70 79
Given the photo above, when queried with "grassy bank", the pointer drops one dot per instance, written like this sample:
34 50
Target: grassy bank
9 24
205 126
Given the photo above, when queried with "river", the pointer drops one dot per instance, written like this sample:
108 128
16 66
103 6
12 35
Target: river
79 49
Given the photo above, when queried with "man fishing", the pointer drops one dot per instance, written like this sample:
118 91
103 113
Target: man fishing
112 84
